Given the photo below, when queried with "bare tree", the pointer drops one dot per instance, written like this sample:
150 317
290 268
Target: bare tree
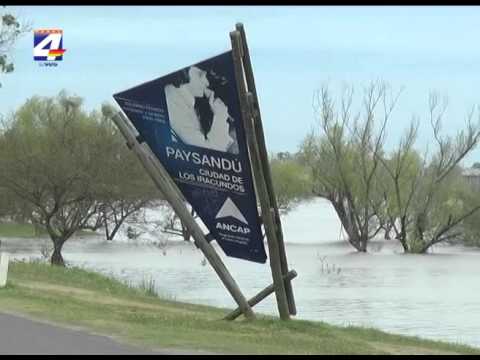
344 159
425 203
174 226
402 175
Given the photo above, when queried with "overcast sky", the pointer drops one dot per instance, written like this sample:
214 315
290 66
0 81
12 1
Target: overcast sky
294 51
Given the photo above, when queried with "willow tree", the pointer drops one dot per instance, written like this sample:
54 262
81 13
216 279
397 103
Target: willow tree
7 203
428 200
471 225
291 181
48 159
127 188
343 157
66 165
172 224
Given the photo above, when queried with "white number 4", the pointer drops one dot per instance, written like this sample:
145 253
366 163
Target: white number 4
42 50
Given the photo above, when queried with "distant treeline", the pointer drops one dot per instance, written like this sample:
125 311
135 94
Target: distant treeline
64 169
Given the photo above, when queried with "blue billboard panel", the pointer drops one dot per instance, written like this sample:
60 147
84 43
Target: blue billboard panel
191 120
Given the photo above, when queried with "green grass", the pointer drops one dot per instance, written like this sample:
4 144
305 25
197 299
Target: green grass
9 229
75 297
148 286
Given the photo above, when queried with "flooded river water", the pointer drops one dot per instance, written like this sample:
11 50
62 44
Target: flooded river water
435 296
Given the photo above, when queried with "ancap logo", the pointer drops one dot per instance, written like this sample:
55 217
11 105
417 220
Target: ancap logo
230 209
48 45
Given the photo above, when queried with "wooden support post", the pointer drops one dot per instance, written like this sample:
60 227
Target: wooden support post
246 102
173 195
260 296
265 165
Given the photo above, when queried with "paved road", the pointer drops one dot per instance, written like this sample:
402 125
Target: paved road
19 335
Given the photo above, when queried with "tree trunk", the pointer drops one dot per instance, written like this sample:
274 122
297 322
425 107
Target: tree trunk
185 233
57 258
111 235
427 246
355 240
358 241
402 236
405 247
105 224
388 230
363 244
425 249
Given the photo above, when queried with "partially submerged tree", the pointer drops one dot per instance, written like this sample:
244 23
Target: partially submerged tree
401 177
128 189
344 158
174 226
427 199
422 200
48 155
64 163
471 225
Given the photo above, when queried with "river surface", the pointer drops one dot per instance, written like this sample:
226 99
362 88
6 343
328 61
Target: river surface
434 296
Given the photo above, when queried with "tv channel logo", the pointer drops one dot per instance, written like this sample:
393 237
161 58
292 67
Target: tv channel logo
48 45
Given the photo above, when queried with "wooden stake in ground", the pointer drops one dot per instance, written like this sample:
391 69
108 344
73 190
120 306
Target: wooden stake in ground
246 106
266 166
260 296
174 196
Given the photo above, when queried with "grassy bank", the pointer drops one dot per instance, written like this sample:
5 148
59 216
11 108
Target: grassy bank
75 297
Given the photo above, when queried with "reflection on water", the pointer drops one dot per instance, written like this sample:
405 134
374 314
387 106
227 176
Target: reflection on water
435 296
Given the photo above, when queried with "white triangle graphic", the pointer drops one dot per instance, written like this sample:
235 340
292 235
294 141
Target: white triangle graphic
230 209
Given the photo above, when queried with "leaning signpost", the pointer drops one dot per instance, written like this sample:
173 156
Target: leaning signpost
198 134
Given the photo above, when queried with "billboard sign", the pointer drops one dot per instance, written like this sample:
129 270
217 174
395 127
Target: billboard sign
191 120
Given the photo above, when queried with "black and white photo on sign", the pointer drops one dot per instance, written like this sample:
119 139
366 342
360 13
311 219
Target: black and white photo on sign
197 102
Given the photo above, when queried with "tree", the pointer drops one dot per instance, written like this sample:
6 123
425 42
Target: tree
401 177
291 181
174 226
428 200
12 208
58 159
47 154
10 30
344 159
128 189
6 203
471 225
